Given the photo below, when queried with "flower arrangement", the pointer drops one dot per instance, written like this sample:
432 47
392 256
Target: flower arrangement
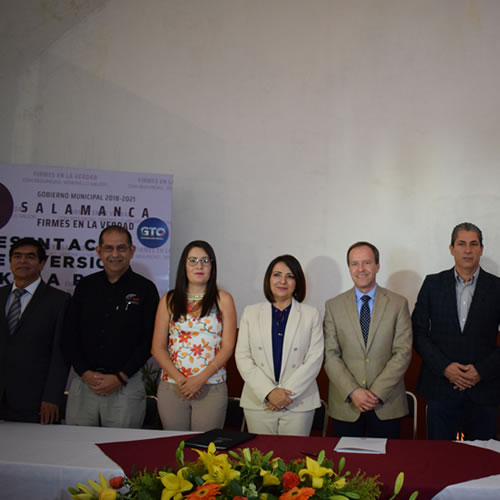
247 475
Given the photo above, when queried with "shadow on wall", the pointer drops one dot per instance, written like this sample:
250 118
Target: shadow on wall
407 283
323 280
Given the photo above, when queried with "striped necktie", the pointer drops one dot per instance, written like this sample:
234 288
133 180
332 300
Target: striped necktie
15 310
364 317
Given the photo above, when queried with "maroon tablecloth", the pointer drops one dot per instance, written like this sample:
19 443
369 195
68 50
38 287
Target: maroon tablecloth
429 466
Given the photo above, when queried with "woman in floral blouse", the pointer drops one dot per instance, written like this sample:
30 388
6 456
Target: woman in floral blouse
194 336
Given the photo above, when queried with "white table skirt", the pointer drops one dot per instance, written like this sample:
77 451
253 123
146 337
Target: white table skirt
42 461
487 488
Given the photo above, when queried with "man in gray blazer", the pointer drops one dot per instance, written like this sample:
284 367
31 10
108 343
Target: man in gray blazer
32 369
368 342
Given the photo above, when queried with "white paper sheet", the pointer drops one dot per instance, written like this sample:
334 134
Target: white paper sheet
361 445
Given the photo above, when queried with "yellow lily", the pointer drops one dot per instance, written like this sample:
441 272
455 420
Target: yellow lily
221 473
174 485
210 457
86 493
99 487
93 492
339 483
84 496
268 478
315 471
107 494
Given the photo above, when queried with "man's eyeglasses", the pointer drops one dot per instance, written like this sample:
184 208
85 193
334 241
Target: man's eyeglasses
192 261
119 248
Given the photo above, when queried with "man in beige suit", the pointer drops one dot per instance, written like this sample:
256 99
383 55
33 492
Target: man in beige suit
368 342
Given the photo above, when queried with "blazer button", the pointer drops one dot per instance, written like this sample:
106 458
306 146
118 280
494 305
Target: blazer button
262 364
363 382
260 348
295 348
367 360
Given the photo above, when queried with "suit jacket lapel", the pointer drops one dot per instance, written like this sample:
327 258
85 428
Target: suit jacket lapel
266 323
290 332
379 307
353 315
451 294
479 297
32 304
4 294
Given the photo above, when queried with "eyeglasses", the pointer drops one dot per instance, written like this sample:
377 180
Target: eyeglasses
192 261
119 248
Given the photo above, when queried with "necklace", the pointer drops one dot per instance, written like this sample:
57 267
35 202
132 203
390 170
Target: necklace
195 296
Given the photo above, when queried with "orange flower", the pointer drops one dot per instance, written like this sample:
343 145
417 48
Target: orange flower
197 350
205 492
186 371
290 480
116 482
298 494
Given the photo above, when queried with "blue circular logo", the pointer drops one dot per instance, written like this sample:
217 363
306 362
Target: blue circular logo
6 205
152 232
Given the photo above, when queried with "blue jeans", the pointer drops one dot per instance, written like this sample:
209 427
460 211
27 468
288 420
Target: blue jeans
446 418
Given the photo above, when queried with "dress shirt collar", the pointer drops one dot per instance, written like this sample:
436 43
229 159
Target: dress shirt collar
461 281
371 294
31 288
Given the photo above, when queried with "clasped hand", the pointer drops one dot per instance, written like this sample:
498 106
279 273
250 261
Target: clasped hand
190 387
364 400
102 384
462 376
278 399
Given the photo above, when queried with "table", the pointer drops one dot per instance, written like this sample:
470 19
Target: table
429 466
42 461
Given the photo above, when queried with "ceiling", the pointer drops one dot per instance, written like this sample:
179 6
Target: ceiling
28 27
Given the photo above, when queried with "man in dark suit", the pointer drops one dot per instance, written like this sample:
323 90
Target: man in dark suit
455 326
32 369
367 351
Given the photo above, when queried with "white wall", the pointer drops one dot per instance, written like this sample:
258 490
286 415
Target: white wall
295 126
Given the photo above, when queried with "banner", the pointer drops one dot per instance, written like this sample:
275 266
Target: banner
67 208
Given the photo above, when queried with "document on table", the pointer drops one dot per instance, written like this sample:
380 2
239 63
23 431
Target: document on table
361 445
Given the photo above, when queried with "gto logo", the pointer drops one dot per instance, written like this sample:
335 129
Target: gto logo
152 232
158 232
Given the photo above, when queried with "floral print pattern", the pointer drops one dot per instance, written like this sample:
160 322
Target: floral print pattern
193 342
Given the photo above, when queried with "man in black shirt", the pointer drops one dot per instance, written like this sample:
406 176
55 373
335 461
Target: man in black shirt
108 338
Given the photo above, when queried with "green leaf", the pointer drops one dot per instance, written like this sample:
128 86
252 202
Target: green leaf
234 454
338 497
341 465
351 494
267 456
321 457
414 495
179 454
246 454
399 483
235 489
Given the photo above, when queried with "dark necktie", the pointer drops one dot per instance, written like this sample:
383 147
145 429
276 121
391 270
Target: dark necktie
15 310
364 317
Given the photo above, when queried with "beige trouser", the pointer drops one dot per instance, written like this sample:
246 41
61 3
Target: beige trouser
206 412
125 407
283 422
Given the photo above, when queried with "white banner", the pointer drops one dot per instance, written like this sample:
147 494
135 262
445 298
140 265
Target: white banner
67 208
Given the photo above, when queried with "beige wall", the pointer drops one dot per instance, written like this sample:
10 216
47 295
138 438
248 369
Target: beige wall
293 126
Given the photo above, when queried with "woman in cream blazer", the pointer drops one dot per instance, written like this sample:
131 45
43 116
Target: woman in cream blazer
279 353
